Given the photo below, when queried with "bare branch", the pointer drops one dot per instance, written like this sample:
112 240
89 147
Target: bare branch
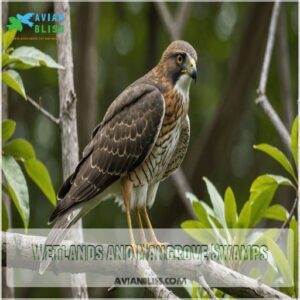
167 19
182 186
174 26
182 16
43 111
269 48
19 247
263 101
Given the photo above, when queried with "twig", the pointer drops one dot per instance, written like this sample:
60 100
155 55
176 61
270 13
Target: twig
182 187
262 99
43 111
287 221
206 287
269 48
20 247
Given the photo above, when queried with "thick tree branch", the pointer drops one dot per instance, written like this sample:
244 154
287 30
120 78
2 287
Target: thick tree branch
159 291
68 117
43 111
262 99
233 283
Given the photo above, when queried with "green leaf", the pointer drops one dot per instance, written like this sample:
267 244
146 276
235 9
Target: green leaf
230 208
278 156
17 187
216 200
19 63
19 149
204 236
262 192
4 217
14 81
31 57
5 59
7 38
276 212
294 140
199 210
244 217
37 171
281 262
8 129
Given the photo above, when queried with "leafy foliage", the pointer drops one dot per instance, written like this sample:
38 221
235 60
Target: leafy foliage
16 186
22 58
223 215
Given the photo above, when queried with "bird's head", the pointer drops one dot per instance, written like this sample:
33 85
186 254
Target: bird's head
178 64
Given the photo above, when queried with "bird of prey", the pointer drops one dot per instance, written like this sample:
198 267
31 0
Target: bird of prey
141 140
25 19
14 24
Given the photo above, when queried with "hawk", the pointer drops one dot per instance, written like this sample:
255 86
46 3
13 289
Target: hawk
141 140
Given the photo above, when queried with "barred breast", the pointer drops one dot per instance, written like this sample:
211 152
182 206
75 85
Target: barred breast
166 154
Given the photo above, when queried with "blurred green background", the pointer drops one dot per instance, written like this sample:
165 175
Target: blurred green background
116 43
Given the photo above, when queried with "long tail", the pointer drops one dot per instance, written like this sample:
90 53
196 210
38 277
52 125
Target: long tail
59 232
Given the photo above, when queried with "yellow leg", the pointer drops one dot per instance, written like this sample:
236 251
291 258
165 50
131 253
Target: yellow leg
140 223
154 239
153 236
127 187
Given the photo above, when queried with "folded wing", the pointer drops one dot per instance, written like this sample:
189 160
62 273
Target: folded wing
119 144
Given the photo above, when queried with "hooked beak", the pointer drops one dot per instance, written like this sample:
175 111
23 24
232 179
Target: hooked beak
191 69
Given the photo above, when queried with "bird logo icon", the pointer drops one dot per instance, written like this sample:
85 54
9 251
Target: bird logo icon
18 21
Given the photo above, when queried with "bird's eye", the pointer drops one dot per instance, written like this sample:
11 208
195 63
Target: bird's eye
179 59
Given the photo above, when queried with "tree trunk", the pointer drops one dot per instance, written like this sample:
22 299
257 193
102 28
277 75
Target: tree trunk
86 71
69 139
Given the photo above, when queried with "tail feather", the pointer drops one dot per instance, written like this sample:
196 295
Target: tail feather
59 232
